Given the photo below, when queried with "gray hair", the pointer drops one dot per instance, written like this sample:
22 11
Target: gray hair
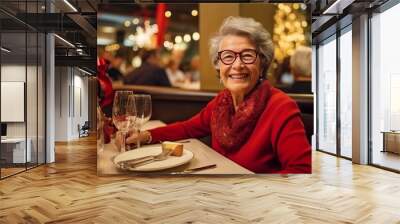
244 27
300 61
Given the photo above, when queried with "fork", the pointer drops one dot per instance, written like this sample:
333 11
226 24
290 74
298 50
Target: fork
162 156
147 159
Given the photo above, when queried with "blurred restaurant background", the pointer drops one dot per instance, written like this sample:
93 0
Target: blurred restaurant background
50 88
180 33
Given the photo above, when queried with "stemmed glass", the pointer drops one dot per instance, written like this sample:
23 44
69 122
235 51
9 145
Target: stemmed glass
100 131
124 113
143 112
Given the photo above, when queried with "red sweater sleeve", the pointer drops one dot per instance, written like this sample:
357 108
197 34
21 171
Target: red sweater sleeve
289 138
294 151
196 127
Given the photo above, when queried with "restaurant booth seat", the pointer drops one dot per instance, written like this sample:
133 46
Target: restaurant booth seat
171 104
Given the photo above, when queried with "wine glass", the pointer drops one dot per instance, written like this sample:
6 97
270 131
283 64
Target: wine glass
143 112
123 113
100 134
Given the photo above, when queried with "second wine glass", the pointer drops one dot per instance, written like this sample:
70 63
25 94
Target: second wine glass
124 113
143 112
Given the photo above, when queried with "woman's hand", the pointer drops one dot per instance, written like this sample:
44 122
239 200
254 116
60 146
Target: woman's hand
132 138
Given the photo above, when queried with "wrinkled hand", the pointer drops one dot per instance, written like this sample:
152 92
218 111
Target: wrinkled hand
134 136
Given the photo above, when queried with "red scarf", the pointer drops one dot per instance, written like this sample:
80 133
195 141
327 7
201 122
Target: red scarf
232 129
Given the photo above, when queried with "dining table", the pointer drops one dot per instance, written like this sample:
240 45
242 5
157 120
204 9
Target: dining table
203 156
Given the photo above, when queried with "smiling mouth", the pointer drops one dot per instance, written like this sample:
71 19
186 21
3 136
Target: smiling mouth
240 76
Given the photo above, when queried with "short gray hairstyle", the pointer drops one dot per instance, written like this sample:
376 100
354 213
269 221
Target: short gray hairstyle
247 27
300 61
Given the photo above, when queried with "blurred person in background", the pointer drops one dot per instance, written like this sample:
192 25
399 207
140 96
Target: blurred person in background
284 77
114 70
194 72
176 77
300 66
149 72
250 122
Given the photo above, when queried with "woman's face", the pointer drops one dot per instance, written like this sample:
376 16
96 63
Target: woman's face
238 77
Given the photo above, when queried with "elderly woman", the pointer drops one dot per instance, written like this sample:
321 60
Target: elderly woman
250 122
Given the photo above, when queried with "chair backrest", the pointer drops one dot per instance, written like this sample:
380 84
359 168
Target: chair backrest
86 125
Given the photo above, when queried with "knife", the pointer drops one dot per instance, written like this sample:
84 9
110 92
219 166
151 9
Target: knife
191 170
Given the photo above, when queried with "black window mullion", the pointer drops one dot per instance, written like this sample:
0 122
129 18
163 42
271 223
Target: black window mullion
338 94
37 90
73 91
316 96
369 96
47 5
26 86
1 163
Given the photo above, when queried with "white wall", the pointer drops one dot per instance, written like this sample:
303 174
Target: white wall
61 104
71 94
34 124
12 73
50 93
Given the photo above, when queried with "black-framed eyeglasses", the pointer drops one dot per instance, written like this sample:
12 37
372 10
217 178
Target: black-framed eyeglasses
247 56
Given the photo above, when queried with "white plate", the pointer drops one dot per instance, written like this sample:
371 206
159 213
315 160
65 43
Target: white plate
172 161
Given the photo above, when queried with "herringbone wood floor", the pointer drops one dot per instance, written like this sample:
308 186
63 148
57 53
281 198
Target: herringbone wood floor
70 192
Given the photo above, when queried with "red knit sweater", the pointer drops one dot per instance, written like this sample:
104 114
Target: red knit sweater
278 143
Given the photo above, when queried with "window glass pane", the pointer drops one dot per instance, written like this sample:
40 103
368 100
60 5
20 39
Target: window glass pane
327 96
31 97
13 85
22 80
41 98
385 84
346 94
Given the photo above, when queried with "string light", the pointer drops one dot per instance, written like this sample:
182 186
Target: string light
108 29
195 12
187 38
289 30
168 14
136 61
196 36
178 39
112 47
168 45
135 21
